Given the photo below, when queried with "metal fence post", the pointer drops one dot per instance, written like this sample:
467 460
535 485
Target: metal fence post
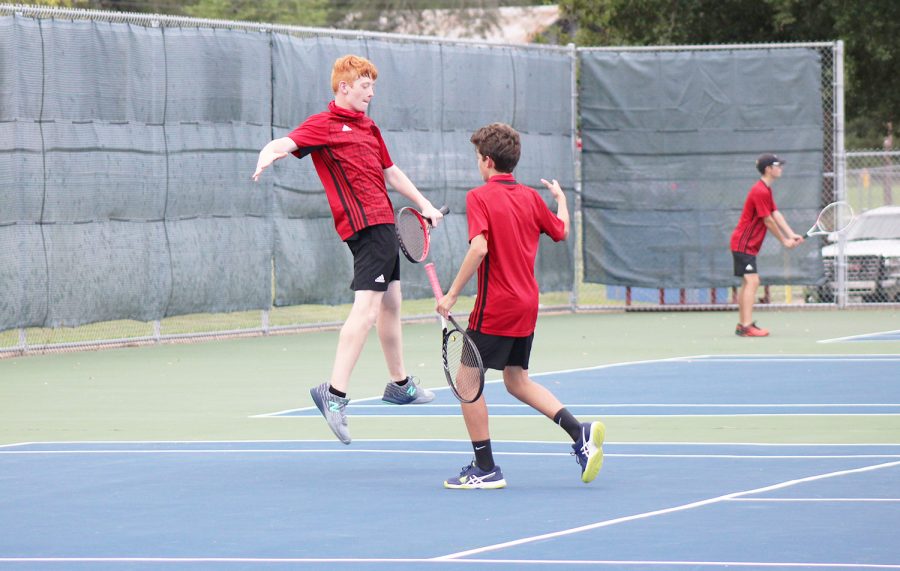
840 171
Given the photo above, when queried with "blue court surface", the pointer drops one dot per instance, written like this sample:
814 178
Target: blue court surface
852 384
379 504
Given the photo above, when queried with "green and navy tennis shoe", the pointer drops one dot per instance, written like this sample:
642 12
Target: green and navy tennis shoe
588 450
474 478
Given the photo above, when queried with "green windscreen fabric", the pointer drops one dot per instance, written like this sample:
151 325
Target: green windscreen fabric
429 99
669 144
126 152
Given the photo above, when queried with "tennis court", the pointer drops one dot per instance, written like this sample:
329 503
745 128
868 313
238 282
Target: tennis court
722 452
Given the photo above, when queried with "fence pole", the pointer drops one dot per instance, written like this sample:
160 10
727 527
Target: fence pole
840 171
577 258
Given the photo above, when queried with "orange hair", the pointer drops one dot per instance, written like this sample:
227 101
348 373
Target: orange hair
350 68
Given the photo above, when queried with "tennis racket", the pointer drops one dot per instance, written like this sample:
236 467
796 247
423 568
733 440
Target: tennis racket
414 233
836 217
462 361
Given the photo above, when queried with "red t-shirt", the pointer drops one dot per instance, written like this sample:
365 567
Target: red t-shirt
350 157
512 218
750 230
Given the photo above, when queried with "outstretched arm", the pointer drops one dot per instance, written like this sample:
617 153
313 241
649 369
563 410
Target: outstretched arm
401 183
275 150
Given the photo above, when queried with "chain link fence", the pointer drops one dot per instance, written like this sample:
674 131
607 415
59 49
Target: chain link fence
869 251
868 180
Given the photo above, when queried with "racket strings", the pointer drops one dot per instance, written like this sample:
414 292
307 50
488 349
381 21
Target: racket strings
462 363
835 217
411 234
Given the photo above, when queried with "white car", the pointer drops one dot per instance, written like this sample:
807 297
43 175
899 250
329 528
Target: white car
872 249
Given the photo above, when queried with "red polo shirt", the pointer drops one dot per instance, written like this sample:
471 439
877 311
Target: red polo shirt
350 157
512 218
750 230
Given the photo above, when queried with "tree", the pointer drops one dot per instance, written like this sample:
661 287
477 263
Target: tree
311 13
421 17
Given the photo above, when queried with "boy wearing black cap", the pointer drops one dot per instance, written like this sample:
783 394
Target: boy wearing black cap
759 214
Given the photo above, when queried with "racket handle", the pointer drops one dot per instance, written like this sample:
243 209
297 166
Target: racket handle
444 209
433 280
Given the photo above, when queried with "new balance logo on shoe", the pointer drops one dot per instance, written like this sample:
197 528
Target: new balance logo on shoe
346 128
380 279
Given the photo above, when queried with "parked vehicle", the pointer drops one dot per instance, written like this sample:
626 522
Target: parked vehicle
872 249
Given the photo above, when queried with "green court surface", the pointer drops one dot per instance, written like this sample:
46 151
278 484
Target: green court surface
211 390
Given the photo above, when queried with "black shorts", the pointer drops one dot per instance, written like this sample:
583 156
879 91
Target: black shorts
743 263
376 257
498 352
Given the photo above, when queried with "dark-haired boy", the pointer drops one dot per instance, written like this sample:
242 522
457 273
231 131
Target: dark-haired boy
506 220
759 214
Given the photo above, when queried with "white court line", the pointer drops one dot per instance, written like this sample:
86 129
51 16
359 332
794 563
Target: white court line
465 441
692 505
860 336
704 358
494 381
289 452
802 357
823 358
442 563
539 415
651 405
332 440
814 500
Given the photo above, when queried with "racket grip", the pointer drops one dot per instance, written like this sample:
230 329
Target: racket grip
444 209
433 280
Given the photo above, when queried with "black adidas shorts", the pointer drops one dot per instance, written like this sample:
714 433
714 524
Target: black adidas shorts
498 352
744 263
376 257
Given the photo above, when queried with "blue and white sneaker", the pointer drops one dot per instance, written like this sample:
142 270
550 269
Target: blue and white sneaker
332 408
474 478
588 450
410 393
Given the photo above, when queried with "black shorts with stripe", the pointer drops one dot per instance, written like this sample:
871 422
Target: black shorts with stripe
376 257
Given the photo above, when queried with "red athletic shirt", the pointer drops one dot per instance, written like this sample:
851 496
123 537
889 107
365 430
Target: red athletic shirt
750 231
350 157
512 218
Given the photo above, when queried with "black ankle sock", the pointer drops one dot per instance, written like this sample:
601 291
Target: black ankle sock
403 382
484 458
568 423
336 392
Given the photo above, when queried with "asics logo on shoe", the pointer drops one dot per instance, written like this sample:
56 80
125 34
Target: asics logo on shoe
380 279
345 128
334 407
475 479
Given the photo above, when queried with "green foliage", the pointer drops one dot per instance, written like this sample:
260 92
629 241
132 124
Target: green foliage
870 30
62 3
311 13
